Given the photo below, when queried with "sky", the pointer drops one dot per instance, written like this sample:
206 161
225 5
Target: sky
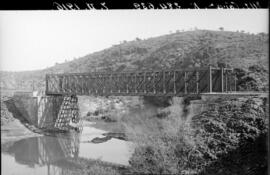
31 40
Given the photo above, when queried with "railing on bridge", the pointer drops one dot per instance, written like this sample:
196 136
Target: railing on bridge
145 83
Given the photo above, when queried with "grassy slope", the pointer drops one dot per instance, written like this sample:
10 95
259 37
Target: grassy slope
178 50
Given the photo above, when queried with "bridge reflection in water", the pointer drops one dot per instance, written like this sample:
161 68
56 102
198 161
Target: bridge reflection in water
58 155
51 151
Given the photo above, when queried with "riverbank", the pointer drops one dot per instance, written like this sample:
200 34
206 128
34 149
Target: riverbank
11 128
172 140
167 139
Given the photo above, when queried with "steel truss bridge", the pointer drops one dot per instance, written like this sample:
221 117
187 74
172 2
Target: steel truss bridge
176 82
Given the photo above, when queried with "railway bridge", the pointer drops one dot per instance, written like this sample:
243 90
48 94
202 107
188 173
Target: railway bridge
59 108
175 82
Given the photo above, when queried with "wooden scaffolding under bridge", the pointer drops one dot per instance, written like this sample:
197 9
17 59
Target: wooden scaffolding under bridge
69 112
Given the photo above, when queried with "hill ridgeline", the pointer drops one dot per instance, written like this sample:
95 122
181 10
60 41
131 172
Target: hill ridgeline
248 53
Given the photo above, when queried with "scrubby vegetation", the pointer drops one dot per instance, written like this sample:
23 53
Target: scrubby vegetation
86 166
6 116
247 52
229 138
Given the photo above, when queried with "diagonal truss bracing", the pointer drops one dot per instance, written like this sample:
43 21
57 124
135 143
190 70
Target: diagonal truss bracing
145 83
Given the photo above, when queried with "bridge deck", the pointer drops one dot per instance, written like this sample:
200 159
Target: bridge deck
236 93
147 83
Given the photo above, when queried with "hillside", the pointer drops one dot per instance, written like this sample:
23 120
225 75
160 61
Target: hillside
247 52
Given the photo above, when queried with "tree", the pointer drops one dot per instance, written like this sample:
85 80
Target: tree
138 39
221 29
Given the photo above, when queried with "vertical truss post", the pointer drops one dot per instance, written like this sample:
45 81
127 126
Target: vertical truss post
127 81
226 81
73 87
135 84
222 78
118 83
77 85
89 85
103 85
163 81
82 84
61 84
197 82
69 83
86 90
185 81
96 82
210 79
144 82
111 83
174 82
235 79
66 83
46 84
154 82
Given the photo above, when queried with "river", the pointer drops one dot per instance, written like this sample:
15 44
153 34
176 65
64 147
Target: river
56 154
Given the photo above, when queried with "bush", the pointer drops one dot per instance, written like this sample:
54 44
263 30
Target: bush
164 146
89 114
173 145
255 78
87 166
6 116
231 126
108 119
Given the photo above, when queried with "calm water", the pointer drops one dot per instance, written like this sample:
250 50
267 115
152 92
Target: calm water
53 155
